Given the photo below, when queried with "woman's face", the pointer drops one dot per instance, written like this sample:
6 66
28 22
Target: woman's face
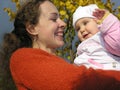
50 27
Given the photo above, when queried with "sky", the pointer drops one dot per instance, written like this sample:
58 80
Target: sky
7 26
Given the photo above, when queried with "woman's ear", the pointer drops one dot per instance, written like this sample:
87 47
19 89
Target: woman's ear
31 29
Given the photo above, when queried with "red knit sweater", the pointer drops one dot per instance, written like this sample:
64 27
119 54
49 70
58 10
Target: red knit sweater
34 69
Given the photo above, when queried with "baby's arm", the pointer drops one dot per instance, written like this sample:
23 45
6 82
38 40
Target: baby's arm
110 28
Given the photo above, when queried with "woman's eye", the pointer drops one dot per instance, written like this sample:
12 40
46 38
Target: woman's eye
54 19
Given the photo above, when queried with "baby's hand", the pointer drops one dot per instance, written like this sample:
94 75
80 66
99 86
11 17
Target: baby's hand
99 13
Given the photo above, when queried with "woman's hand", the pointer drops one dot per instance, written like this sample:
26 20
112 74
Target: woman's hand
99 13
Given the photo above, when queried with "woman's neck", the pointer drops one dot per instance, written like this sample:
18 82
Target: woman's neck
43 47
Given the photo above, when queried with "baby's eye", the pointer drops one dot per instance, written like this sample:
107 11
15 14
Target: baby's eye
85 22
77 29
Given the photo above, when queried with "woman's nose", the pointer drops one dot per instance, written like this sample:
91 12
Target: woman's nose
62 23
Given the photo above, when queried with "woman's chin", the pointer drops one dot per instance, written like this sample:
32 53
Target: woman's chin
60 44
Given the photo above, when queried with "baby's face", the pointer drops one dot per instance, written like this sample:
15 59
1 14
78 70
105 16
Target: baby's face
86 27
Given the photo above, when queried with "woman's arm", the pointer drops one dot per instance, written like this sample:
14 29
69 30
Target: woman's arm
42 71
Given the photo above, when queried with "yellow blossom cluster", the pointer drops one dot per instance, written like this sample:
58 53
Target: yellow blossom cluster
67 7
10 12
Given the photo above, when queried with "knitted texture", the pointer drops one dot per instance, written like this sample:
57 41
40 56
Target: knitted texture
34 69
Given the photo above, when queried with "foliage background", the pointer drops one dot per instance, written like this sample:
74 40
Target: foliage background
66 9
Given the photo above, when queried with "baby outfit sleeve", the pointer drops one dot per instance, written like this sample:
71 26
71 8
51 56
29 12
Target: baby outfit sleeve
110 28
88 50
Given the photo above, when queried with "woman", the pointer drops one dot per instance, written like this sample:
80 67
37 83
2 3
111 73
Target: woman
33 64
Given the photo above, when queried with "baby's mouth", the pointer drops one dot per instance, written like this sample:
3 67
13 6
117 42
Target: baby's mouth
85 36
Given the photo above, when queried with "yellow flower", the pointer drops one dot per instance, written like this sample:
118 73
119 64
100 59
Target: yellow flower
62 12
68 57
67 3
15 1
8 10
62 3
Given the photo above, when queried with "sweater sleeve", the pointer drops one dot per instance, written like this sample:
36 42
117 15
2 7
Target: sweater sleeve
48 72
110 29
43 72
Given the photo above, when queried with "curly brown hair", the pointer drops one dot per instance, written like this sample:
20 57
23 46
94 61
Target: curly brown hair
18 38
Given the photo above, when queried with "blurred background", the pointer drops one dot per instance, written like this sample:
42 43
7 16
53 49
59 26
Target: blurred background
7 26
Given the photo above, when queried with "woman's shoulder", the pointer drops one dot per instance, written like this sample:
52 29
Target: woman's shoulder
25 54
34 54
29 52
22 51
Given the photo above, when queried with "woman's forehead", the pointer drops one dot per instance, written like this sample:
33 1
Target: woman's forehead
48 8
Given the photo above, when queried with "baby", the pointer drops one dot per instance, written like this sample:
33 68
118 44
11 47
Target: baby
96 28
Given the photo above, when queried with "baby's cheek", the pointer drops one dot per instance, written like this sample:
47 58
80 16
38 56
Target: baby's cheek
80 37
